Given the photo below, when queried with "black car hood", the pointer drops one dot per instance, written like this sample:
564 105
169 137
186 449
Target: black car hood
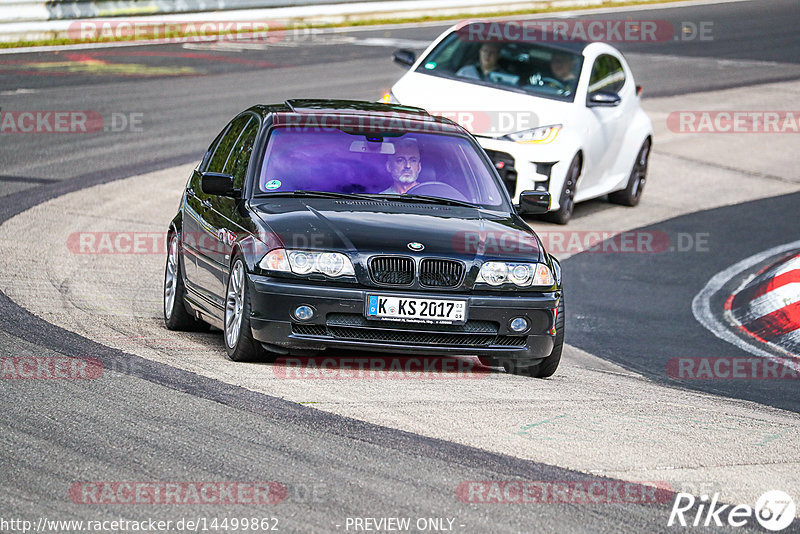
371 227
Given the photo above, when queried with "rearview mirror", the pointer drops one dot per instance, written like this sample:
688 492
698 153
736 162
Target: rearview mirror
404 57
217 183
603 99
533 202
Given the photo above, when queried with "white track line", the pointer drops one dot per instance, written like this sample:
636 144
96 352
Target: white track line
701 304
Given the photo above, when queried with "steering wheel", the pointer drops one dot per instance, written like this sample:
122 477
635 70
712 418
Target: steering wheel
558 84
437 189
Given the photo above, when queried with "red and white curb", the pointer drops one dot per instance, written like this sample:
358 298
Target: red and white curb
767 307
710 319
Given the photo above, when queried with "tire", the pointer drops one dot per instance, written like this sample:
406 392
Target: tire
632 193
547 367
566 202
238 336
176 316
488 362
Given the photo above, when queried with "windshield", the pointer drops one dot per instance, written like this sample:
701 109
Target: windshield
527 67
432 165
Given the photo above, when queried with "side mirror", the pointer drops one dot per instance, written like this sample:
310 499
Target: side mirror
217 183
603 99
533 202
404 57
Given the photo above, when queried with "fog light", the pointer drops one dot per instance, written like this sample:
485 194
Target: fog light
303 313
520 324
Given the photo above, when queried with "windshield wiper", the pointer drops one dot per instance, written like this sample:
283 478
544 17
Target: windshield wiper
430 200
301 193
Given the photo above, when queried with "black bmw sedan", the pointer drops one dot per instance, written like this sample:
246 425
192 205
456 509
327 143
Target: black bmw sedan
316 224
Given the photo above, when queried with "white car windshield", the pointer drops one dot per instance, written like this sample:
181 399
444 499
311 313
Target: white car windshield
528 67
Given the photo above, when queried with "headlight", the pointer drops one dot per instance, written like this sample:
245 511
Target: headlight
541 135
275 260
496 273
333 264
302 262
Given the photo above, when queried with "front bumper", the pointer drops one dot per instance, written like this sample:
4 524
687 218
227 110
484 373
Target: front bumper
528 167
339 321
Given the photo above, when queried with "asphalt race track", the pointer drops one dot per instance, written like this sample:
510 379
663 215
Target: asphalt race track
169 408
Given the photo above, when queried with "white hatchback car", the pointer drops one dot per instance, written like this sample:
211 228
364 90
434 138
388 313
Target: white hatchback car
552 113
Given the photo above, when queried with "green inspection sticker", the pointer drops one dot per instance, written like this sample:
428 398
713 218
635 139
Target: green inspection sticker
272 184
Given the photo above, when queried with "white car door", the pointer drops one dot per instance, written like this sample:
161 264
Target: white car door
606 125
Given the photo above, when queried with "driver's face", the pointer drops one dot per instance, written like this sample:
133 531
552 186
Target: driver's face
489 56
561 67
404 164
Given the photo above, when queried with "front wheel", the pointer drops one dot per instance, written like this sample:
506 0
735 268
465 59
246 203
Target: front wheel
566 202
632 193
239 342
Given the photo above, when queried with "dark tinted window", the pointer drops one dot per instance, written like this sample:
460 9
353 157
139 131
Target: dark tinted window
607 75
335 161
213 147
223 148
239 157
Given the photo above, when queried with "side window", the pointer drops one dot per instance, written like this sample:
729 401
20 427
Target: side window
213 147
223 148
449 55
607 75
239 157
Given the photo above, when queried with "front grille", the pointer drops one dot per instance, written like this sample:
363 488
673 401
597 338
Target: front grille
352 327
511 341
392 270
411 338
309 329
440 273
359 321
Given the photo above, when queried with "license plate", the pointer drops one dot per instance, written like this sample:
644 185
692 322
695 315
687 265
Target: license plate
418 310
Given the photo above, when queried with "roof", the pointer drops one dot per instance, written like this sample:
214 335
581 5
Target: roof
356 114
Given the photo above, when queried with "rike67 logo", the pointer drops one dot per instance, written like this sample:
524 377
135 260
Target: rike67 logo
774 511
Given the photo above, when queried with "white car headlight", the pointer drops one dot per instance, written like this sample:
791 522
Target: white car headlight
301 262
541 135
496 273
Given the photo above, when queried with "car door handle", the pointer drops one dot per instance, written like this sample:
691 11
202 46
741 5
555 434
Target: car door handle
190 193
206 203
